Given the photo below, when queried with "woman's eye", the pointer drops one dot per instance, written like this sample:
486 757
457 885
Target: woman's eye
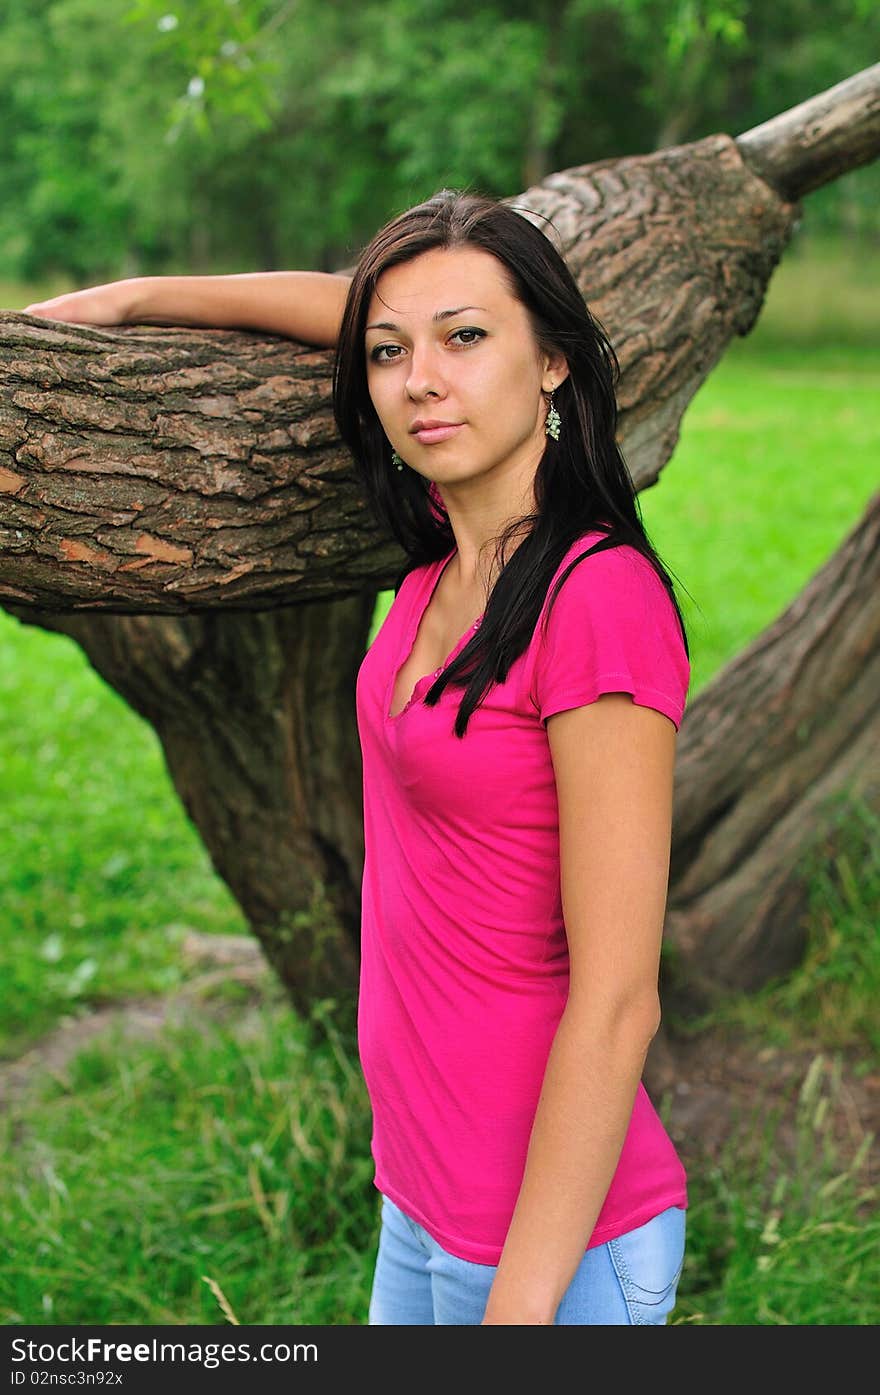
385 353
463 338
474 334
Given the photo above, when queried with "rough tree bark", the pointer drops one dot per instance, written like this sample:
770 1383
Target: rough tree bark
176 501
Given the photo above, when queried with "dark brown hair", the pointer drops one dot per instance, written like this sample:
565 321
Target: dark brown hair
582 481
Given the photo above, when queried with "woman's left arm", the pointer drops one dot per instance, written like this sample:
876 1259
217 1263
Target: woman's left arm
613 762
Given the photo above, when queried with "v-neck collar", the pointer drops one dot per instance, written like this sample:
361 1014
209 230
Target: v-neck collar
432 582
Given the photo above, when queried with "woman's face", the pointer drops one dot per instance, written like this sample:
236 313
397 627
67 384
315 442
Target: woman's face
454 371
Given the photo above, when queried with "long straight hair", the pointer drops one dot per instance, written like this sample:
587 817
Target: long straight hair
582 482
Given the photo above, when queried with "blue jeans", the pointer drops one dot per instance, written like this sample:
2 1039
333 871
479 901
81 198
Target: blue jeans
632 1279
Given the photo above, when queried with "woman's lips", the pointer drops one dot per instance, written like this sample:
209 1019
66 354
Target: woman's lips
430 435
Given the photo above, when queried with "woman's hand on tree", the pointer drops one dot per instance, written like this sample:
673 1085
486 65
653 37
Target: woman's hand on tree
95 305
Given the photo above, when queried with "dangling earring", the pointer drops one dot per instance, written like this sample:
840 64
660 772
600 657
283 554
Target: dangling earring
554 420
396 460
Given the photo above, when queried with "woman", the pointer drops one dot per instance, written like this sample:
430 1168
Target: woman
517 712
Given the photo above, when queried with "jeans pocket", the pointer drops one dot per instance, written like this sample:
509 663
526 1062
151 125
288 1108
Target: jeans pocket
648 1262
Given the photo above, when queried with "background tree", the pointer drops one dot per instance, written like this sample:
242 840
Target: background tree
152 136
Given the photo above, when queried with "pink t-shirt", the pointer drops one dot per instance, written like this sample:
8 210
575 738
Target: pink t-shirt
464 961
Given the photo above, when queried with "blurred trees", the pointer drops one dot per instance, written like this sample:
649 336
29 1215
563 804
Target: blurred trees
152 135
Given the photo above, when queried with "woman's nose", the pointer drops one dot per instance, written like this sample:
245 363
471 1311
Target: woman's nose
424 378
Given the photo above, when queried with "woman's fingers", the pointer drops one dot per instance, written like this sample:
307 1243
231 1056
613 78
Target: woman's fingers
96 305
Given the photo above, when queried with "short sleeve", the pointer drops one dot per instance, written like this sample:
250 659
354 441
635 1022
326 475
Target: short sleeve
612 628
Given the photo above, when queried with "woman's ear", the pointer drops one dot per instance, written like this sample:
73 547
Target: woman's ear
555 371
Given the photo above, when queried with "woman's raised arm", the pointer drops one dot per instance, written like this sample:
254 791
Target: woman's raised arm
304 305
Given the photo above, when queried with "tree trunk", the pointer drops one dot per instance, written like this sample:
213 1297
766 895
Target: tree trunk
775 756
255 713
177 502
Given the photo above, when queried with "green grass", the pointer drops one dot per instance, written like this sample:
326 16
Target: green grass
784 1234
222 1173
833 996
779 452
224 1166
777 461
102 871
218 1171
823 294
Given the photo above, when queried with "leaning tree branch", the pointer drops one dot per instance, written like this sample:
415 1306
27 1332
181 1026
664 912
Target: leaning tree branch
176 471
816 142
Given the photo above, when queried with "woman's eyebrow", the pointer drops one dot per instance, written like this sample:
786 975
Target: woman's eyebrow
448 314
439 315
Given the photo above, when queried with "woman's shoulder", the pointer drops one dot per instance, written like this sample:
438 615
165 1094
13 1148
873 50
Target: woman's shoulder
603 582
606 562
611 627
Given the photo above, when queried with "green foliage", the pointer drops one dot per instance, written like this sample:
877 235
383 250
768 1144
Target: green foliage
223 49
150 136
